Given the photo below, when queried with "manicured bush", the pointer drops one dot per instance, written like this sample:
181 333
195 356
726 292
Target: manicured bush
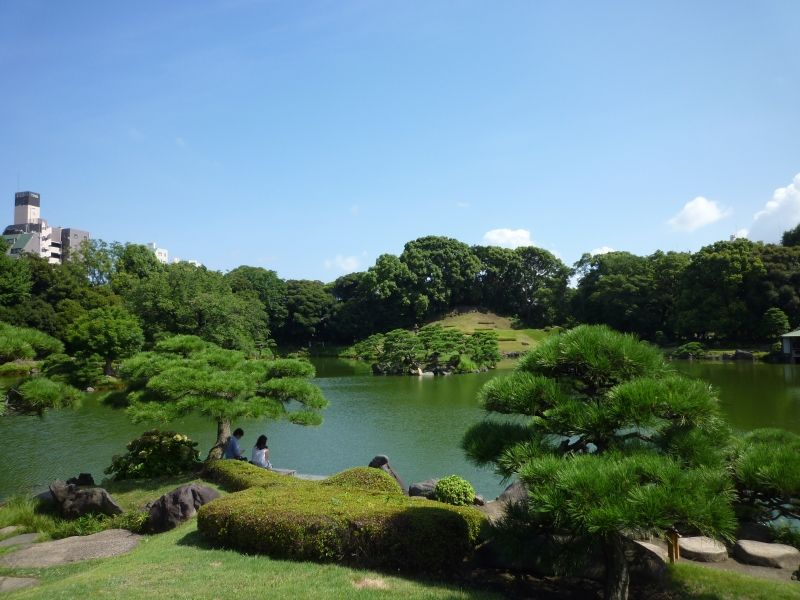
237 475
455 490
155 454
26 343
39 393
365 478
309 521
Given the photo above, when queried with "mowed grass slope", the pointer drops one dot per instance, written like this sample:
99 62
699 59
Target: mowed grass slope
511 340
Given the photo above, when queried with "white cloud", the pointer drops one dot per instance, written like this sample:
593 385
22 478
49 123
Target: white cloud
508 238
698 213
602 250
780 213
345 264
741 234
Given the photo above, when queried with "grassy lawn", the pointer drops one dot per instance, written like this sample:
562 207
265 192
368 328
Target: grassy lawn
177 565
703 583
511 340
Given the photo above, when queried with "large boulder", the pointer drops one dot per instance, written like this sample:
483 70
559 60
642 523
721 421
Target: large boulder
426 489
778 556
84 479
516 493
382 462
703 549
177 506
74 502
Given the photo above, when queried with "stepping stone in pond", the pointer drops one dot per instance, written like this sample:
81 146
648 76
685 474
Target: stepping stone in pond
703 549
111 542
9 584
778 556
17 540
10 529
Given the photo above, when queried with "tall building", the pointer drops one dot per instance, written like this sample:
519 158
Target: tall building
31 234
162 255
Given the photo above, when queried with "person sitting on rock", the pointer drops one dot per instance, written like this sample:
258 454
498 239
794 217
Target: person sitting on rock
232 449
260 456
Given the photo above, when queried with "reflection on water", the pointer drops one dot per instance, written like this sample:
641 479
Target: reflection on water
417 422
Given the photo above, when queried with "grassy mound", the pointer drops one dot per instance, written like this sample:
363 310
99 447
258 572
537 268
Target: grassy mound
365 478
309 521
237 475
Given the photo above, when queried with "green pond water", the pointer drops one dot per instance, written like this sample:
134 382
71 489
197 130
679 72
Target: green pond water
417 422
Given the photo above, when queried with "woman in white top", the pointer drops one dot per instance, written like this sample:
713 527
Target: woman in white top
260 454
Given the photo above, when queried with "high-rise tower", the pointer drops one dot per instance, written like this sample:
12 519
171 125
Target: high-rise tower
26 208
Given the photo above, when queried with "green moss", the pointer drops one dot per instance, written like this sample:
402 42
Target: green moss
309 521
237 475
365 478
455 490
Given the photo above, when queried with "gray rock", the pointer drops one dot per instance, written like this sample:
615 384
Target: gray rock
426 489
743 355
11 529
703 549
45 501
177 506
778 556
478 500
18 540
82 479
514 494
9 584
74 502
111 542
647 560
381 461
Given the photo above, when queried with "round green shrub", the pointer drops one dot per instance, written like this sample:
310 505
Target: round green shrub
154 454
309 521
237 475
365 478
455 490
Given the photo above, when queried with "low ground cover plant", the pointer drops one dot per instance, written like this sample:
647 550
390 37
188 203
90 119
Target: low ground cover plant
309 521
365 478
237 475
455 490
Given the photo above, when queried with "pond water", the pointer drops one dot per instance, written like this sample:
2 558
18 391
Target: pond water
417 422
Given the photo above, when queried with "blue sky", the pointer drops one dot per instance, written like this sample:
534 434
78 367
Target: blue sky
311 137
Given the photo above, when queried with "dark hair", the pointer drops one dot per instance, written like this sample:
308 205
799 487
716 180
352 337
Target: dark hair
261 442
239 432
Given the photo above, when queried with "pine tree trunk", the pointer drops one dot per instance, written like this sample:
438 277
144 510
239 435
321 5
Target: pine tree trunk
223 433
617 574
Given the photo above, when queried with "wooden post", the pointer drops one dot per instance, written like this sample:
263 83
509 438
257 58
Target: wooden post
673 549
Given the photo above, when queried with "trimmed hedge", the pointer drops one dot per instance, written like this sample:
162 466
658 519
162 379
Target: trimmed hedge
455 490
365 478
237 475
309 521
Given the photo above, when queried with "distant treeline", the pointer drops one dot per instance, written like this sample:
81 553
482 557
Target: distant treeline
738 290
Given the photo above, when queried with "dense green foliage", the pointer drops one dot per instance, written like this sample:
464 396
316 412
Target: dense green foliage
610 434
24 343
185 374
455 490
237 475
111 333
766 470
722 292
309 521
38 394
432 348
365 478
155 454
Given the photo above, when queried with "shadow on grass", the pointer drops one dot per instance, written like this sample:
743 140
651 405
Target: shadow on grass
148 485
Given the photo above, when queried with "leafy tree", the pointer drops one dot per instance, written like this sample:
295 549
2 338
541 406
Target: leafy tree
774 324
185 374
24 343
536 286
401 352
441 344
309 306
112 333
266 286
719 290
15 278
780 286
444 272
610 429
791 237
